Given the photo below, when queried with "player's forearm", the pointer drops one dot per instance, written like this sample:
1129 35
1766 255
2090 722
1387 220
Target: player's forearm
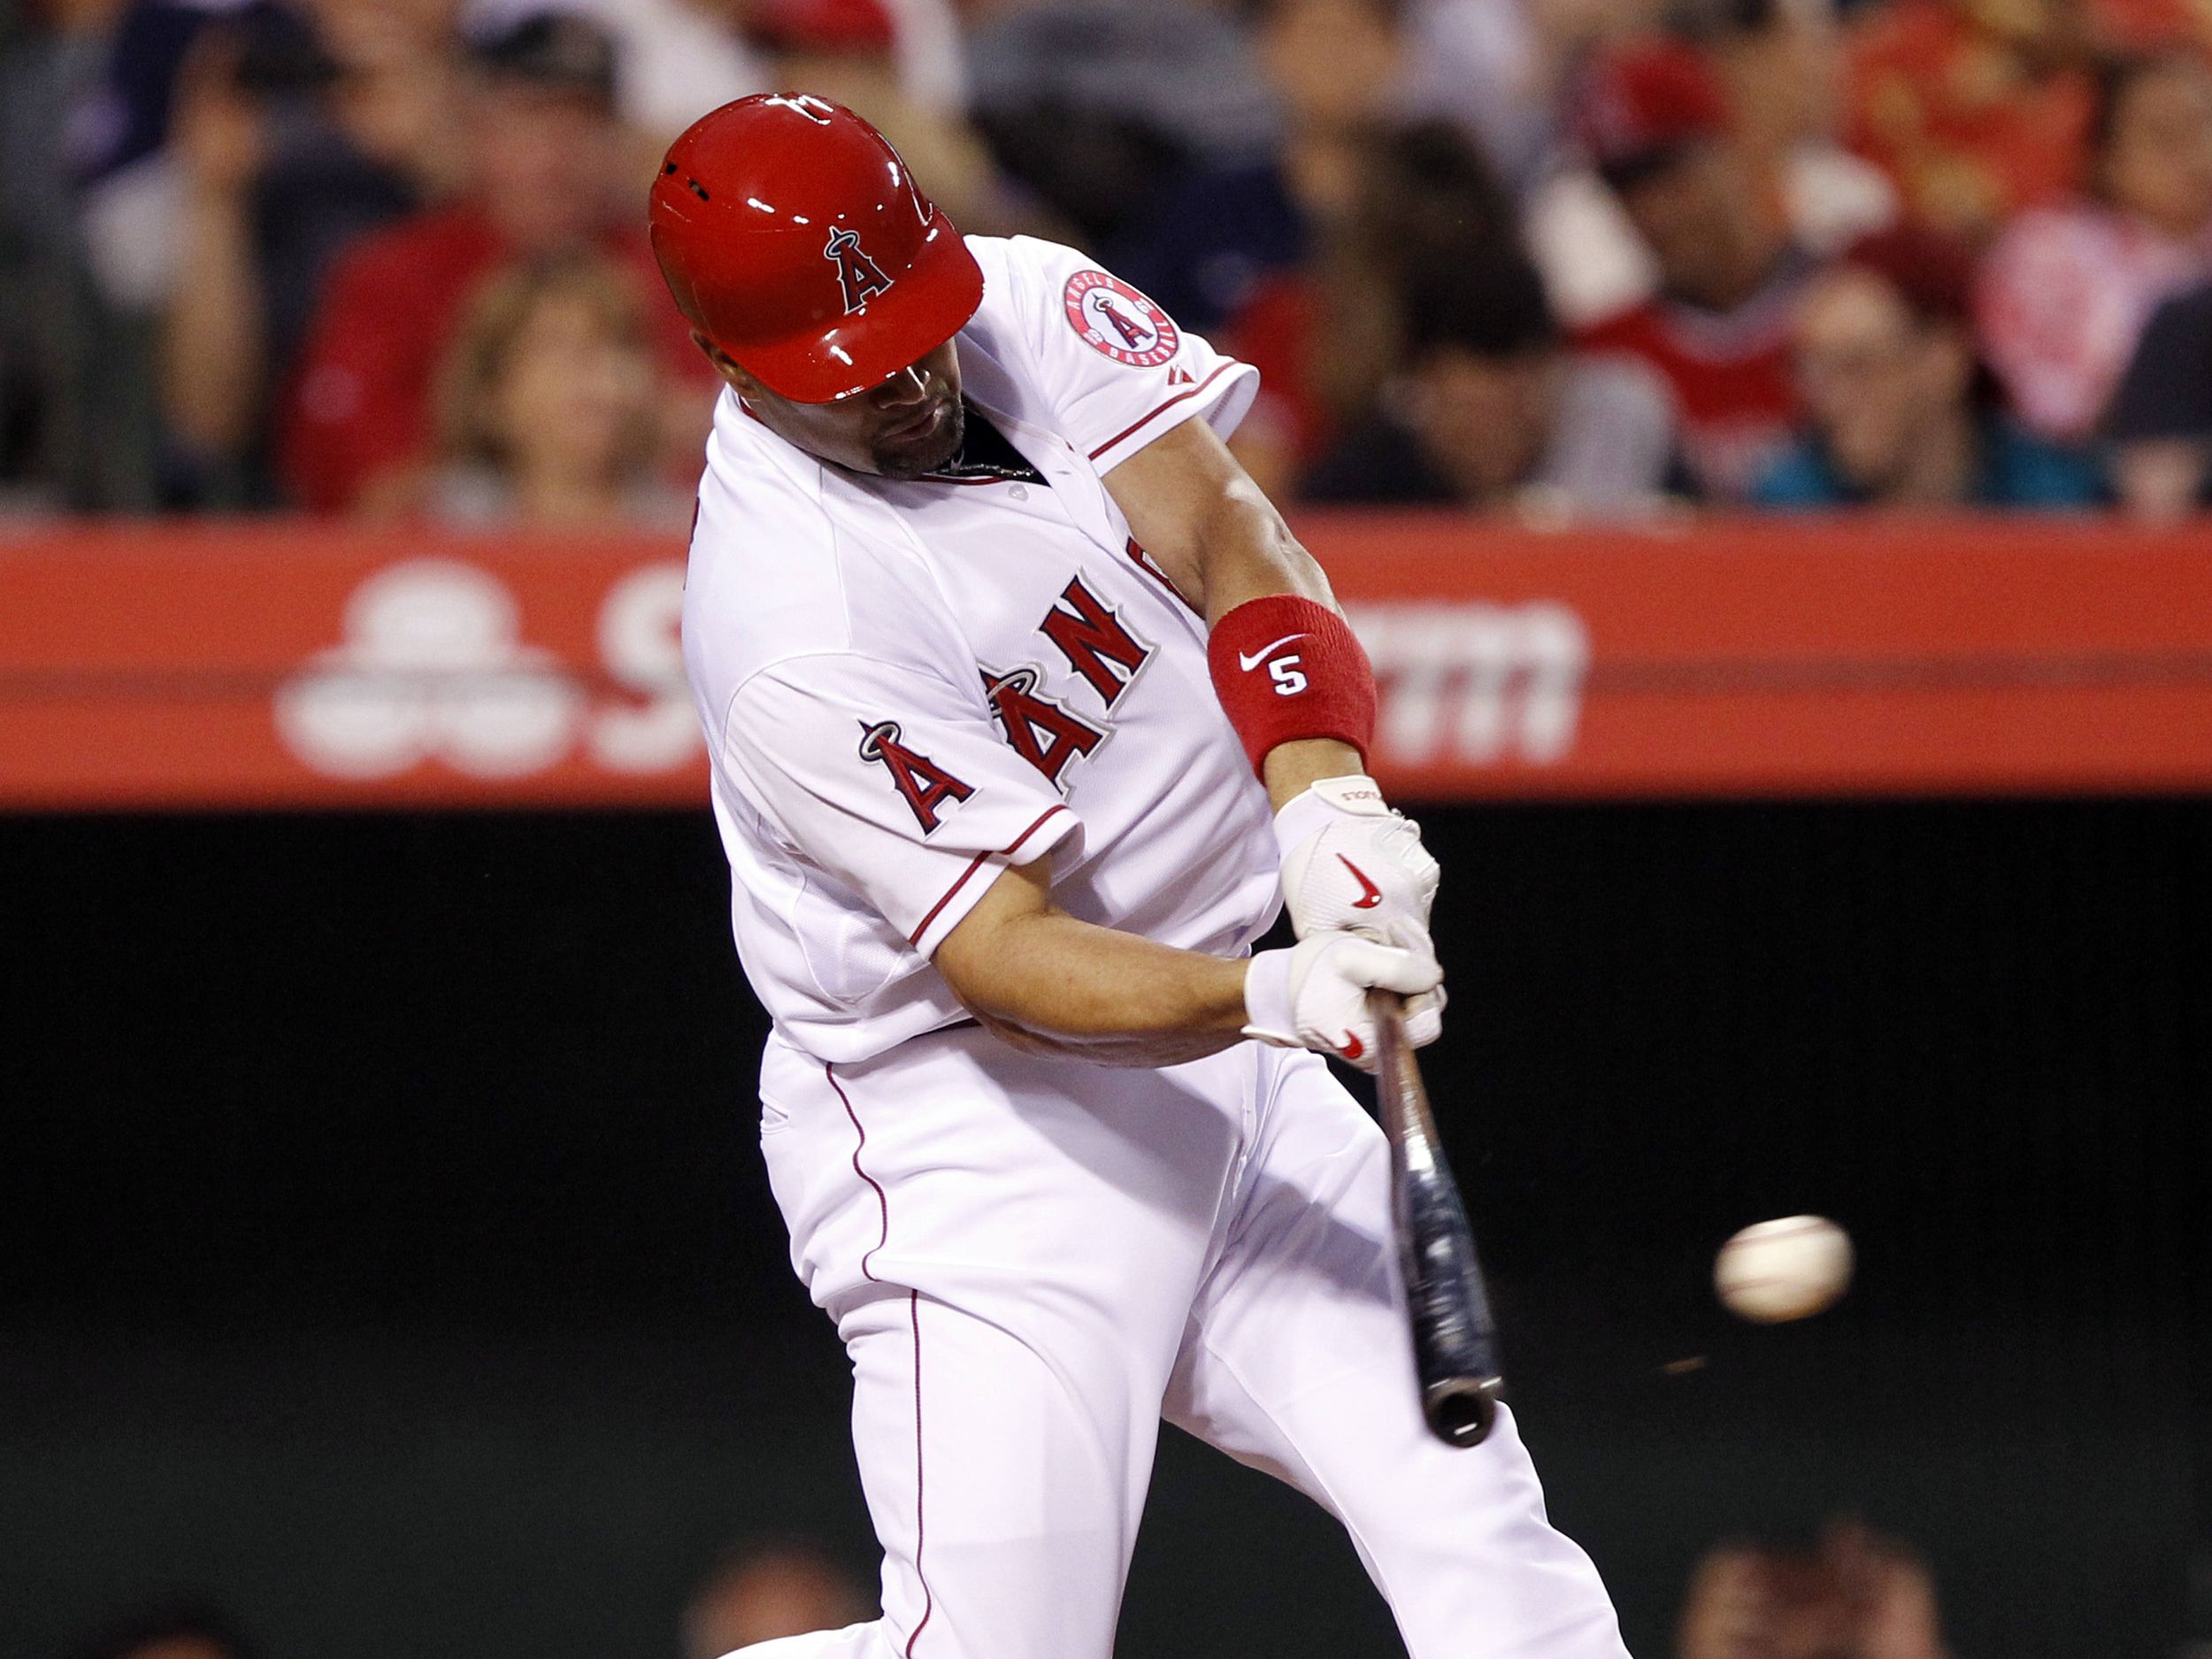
1041 978
1245 552
1204 522
1054 976
1223 544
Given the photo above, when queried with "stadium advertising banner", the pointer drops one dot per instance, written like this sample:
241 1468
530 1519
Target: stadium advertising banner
297 665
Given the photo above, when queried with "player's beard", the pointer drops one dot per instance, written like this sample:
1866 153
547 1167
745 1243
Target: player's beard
902 461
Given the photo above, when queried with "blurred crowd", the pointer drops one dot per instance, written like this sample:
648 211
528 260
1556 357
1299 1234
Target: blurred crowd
1851 1595
758 1591
1567 259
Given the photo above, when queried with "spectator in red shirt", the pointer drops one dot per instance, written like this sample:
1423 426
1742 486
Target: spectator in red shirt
1976 112
1717 332
1980 111
295 133
547 176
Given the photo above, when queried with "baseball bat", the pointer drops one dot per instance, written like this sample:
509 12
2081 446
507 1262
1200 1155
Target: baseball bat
1455 1339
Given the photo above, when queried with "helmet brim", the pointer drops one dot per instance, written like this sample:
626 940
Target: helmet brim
929 305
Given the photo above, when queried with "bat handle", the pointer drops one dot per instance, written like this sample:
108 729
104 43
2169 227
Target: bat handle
1463 1412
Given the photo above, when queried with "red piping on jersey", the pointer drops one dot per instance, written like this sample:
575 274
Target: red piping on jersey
1163 408
859 1146
976 864
929 1599
914 1316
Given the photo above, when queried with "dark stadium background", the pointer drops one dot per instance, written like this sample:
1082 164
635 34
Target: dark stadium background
384 1249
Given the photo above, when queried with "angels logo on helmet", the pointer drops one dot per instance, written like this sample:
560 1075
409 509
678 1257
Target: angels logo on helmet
861 277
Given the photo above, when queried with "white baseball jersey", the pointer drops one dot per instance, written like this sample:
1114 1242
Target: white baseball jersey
907 686
1030 1260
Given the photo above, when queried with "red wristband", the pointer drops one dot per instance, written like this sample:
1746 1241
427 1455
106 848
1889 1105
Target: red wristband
1287 668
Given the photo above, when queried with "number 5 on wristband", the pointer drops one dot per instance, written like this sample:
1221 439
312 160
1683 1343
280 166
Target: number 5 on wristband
1322 688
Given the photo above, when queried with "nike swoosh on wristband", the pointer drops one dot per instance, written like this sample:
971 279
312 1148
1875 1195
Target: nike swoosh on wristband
1352 1047
1370 895
1248 664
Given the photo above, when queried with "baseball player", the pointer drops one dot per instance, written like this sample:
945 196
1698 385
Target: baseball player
1027 715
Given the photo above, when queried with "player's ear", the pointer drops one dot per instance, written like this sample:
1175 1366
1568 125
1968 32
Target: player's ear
728 367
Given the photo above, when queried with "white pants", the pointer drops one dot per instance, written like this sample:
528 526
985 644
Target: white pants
1031 1262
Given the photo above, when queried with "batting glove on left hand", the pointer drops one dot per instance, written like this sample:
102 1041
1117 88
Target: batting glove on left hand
1314 995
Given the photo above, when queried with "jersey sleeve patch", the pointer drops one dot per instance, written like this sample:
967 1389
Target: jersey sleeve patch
1117 321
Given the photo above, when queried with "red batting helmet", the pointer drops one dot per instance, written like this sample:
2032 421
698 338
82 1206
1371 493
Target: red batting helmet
794 238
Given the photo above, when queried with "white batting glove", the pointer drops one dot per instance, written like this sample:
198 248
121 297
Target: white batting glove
1314 995
1350 864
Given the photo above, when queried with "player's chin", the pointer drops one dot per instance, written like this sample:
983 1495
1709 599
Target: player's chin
908 452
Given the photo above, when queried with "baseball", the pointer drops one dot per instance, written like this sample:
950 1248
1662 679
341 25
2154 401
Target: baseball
1789 1269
